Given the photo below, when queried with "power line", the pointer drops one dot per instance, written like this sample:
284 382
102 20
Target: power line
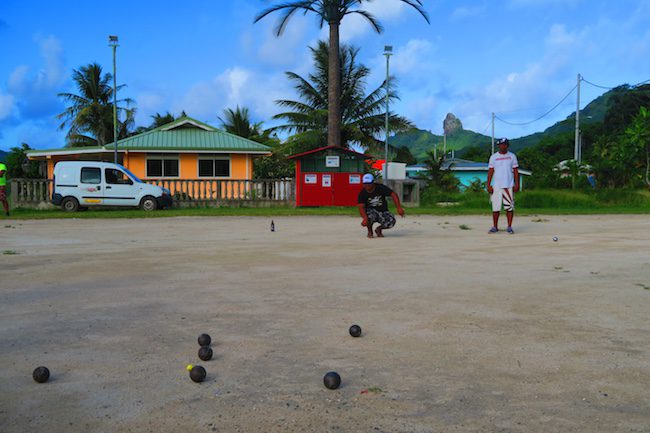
641 83
610 88
543 115
596 85
486 127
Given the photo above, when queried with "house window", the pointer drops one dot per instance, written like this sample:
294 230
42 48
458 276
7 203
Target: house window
91 175
214 167
162 166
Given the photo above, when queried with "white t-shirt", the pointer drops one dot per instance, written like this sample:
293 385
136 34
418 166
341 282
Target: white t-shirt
503 164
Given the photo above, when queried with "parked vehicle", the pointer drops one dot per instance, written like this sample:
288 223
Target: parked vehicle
80 184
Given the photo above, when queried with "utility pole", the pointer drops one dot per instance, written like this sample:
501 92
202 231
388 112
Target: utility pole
492 132
576 150
444 145
388 51
112 42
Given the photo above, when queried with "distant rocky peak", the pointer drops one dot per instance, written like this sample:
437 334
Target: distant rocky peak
451 124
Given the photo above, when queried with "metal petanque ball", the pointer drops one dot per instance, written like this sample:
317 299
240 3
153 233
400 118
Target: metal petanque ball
355 331
205 353
555 239
204 340
41 374
197 373
332 380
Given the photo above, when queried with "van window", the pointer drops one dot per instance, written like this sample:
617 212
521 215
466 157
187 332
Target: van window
91 175
116 177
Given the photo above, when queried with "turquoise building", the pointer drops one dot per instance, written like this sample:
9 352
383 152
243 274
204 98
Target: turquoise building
465 171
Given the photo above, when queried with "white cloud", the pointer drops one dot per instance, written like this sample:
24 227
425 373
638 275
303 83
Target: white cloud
35 94
51 74
284 49
53 71
540 84
542 3
6 106
467 11
17 82
148 104
414 56
355 25
235 87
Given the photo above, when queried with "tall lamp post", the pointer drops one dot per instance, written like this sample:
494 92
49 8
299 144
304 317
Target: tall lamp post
112 42
388 51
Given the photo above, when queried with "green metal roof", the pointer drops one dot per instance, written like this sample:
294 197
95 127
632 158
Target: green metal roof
184 134
188 134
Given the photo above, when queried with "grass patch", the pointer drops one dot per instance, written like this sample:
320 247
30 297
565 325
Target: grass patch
9 252
464 227
643 286
534 203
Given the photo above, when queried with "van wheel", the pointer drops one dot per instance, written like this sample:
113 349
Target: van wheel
148 204
70 204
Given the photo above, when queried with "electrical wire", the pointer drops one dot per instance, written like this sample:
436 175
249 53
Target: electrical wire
610 88
540 117
486 127
595 85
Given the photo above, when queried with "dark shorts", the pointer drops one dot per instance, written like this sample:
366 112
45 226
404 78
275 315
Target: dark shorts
3 193
385 219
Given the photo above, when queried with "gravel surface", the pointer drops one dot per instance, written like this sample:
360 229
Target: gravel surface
462 331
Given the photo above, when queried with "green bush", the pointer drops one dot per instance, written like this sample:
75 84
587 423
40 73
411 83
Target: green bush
554 199
431 195
544 199
626 197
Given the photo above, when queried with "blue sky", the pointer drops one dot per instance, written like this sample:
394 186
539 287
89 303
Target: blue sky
517 58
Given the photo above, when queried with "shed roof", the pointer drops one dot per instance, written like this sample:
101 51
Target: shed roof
335 148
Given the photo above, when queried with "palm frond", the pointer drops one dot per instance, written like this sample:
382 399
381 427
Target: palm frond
370 18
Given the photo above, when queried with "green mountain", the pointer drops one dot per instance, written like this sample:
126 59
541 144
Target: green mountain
3 155
419 141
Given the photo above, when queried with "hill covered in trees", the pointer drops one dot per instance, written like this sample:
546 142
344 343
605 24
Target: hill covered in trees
467 142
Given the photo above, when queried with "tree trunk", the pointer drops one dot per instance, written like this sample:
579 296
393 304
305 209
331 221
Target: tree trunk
334 88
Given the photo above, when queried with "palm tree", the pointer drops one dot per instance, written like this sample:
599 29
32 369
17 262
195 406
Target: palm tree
639 135
363 115
162 119
238 122
158 120
331 12
437 176
90 113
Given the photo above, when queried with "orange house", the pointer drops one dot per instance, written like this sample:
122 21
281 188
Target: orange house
185 149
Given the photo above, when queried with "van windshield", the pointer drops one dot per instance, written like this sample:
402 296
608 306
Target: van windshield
131 175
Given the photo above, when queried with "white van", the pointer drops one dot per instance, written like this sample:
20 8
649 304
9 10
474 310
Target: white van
78 184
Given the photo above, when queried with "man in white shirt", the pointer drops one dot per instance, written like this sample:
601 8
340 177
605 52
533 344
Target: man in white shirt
503 182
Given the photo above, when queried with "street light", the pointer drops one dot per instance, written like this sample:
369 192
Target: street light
112 42
388 51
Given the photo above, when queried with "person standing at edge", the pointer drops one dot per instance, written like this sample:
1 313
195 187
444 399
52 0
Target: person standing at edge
3 188
373 206
502 183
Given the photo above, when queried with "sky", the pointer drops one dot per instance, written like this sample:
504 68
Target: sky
517 58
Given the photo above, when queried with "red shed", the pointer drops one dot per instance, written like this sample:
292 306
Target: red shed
329 176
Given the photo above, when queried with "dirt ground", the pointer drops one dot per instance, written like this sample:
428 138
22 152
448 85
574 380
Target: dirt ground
462 331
